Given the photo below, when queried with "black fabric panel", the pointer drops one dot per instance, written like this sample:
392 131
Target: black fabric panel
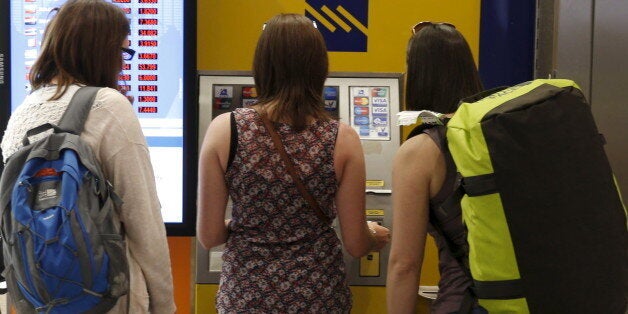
500 290
233 144
419 130
532 98
483 94
564 214
480 185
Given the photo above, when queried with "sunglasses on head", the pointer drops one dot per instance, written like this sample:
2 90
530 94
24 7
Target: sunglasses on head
418 26
313 24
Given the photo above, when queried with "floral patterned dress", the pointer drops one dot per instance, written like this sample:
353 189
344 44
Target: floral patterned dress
280 257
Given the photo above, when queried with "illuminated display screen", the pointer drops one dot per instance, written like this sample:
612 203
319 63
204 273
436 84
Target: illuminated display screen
158 28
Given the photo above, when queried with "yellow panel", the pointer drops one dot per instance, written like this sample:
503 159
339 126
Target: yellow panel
429 270
375 212
368 300
228 31
205 296
369 265
375 183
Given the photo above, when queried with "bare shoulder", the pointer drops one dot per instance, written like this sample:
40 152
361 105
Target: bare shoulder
218 135
418 146
347 133
221 120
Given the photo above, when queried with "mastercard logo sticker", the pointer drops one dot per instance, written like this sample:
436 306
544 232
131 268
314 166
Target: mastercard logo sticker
360 101
249 92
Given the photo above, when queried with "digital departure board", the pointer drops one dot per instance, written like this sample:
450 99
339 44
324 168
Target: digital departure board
160 78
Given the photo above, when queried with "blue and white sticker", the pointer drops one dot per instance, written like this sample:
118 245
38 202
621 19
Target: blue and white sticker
364 131
331 105
330 93
379 121
223 91
361 92
361 120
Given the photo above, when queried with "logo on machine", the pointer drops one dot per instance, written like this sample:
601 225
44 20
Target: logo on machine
380 120
331 105
330 93
223 97
380 110
361 120
360 101
343 24
361 111
380 101
378 92
249 92
364 131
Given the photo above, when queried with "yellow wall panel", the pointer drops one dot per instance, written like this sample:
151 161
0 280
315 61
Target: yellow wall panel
228 31
206 299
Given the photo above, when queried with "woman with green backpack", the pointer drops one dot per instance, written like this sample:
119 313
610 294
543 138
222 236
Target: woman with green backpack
440 72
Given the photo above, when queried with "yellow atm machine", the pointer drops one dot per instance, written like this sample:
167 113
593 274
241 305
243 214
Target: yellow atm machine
369 103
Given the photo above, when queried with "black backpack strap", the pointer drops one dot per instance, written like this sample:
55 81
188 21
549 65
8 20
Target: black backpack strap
74 117
459 253
422 127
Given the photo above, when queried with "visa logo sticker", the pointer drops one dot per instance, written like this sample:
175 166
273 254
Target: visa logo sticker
380 111
246 102
343 24
331 105
380 101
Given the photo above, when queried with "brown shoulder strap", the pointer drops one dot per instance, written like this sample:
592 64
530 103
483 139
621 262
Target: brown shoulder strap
290 167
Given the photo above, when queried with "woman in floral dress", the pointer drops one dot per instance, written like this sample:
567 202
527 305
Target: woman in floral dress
280 256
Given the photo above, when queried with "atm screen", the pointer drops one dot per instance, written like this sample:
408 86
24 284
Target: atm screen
160 77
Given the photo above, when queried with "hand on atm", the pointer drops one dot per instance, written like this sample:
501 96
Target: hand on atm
380 235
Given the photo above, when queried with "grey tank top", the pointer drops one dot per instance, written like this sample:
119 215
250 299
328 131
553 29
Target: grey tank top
453 280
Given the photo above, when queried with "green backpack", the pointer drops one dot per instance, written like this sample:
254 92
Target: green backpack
546 223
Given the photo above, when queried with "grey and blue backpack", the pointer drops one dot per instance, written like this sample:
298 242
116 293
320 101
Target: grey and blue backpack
64 249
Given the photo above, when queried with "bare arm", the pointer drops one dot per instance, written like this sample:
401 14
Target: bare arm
417 167
350 198
211 229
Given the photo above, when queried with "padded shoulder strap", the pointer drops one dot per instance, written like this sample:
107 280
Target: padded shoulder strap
422 127
74 117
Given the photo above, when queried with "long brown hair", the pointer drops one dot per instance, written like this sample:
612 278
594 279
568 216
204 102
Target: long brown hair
290 67
441 70
81 44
